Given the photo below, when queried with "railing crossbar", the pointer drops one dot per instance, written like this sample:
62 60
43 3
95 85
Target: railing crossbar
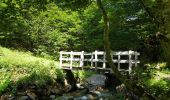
99 57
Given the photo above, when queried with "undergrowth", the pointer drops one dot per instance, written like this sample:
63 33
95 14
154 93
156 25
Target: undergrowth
19 68
156 80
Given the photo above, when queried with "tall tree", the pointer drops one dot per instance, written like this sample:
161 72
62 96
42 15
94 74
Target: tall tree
159 12
129 82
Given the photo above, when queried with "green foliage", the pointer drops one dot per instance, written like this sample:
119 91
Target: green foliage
19 68
4 82
73 4
155 80
46 28
54 30
118 96
166 53
83 74
44 31
60 75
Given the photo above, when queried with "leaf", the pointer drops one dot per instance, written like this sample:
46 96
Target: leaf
3 5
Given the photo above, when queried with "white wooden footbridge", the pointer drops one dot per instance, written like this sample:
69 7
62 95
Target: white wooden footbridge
125 60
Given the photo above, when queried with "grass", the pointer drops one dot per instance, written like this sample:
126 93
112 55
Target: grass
156 80
23 68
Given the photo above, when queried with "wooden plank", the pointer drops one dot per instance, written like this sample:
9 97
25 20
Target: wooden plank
71 60
87 54
104 60
122 53
100 52
99 60
124 70
63 52
82 59
61 59
91 60
77 53
130 64
73 67
118 61
136 57
95 60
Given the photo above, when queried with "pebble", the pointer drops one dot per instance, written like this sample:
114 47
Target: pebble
23 98
52 96
91 97
84 98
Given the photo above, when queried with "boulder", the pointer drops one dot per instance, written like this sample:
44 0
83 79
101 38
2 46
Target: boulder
121 88
52 96
31 95
55 91
79 86
21 93
96 81
91 97
23 98
68 88
82 98
4 97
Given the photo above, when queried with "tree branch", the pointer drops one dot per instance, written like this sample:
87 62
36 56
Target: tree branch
150 14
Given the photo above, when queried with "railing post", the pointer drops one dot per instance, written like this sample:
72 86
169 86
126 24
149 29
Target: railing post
96 60
118 61
130 62
82 59
92 59
61 57
71 59
136 57
104 60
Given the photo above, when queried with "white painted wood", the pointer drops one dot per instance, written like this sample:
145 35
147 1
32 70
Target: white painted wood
130 64
63 52
71 59
82 59
95 60
104 60
136 57
91 59
118 61
61 56
77 53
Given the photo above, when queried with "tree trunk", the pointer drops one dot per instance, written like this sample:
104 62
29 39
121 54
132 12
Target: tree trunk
130 84
71 79
107 43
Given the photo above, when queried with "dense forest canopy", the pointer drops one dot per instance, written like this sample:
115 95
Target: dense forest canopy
46 27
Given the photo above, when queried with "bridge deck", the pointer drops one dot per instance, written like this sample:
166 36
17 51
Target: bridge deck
100 70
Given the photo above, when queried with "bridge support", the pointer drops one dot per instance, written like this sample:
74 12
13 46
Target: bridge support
71 79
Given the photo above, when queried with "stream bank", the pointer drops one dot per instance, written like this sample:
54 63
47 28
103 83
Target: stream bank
96 87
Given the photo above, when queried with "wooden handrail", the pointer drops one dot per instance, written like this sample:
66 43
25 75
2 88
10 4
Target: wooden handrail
95 59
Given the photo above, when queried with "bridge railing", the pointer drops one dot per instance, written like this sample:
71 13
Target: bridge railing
69 60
